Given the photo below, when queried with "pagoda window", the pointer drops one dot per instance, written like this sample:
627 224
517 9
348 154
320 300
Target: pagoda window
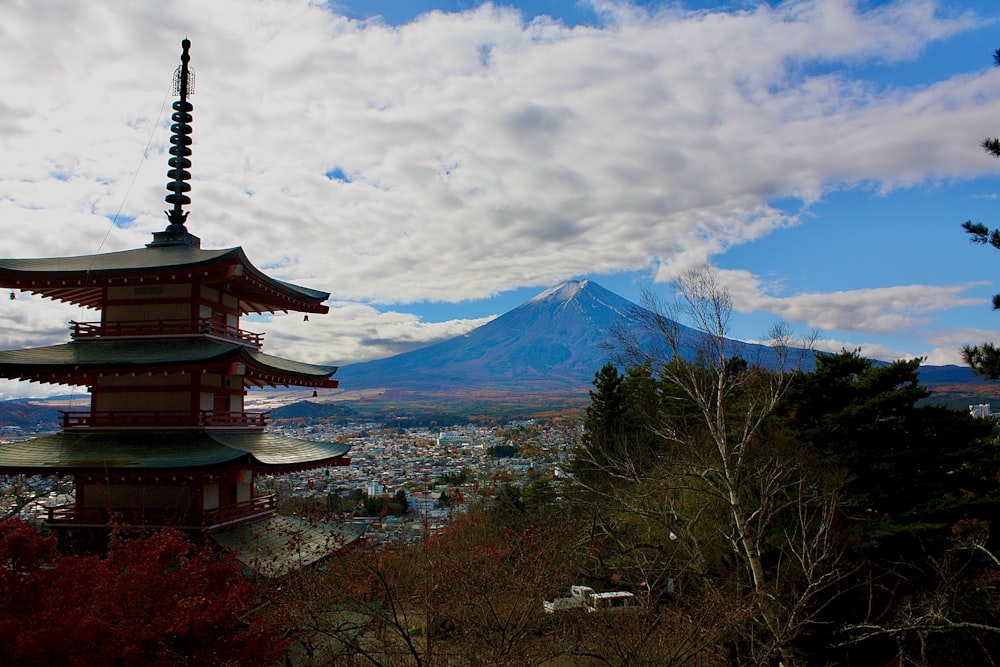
210 497
147 312
124 293
147 302
159 380
244 486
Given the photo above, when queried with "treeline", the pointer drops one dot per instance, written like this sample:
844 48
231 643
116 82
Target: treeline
839 519
762 517
842 518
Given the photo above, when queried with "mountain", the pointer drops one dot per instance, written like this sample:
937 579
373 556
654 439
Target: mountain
555 341
541 355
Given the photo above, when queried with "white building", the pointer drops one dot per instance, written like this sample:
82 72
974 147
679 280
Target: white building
981 411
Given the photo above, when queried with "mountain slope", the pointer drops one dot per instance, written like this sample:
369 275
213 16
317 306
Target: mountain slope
545 351
554 341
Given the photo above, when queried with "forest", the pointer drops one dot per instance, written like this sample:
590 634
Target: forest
817 511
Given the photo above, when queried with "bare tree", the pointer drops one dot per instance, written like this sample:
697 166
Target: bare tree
469 595
955 617
724 482
22 493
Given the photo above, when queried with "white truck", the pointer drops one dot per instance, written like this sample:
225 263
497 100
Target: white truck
583 598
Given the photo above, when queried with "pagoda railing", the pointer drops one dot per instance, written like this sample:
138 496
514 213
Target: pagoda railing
152 516
249 509
159 328
163 419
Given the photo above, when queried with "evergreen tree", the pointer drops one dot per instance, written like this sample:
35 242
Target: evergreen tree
985 358
915 468
400 503
618 439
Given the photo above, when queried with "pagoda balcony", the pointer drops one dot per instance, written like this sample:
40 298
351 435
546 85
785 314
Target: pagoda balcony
164 419
206 519
163 328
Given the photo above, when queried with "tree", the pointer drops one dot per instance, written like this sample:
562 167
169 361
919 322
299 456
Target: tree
915 472
727 487
153 600
985 358
469 594
915 468
953 618
400 503
23 492
617 443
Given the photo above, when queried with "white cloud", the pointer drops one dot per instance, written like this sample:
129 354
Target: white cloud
869 350
483 153
874 310
943 356
352 333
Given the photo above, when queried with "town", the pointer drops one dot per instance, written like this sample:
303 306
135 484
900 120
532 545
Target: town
440 472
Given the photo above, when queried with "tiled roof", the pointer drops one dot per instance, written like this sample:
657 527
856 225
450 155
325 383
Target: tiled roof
69 452
125 261
118 353
283 544
15 272
135 354
280 451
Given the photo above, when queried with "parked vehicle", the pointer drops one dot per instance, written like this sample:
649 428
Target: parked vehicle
584 598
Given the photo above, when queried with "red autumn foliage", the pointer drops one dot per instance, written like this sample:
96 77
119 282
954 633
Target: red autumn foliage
156 600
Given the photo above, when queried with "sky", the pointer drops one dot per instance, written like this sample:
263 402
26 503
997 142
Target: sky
435 164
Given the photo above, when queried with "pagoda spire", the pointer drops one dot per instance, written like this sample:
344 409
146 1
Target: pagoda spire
180 150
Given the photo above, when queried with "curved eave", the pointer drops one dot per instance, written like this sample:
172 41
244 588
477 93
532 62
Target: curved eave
267 370
81 280
260 293
78 362
102 452
274 452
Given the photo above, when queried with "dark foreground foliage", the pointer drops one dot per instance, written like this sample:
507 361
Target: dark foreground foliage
153 600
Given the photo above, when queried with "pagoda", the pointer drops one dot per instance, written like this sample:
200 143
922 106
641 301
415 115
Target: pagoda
166 440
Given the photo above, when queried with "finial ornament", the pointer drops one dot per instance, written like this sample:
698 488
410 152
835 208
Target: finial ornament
180 161
180 138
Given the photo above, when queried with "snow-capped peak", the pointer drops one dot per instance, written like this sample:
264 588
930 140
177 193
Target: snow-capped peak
562 292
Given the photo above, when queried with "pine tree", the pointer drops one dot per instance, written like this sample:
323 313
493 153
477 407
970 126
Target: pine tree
985 358
915 468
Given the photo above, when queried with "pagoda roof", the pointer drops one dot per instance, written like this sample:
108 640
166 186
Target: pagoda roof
281 544
75 362
101 451
81 279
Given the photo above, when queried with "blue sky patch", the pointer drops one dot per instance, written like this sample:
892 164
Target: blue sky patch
338 174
